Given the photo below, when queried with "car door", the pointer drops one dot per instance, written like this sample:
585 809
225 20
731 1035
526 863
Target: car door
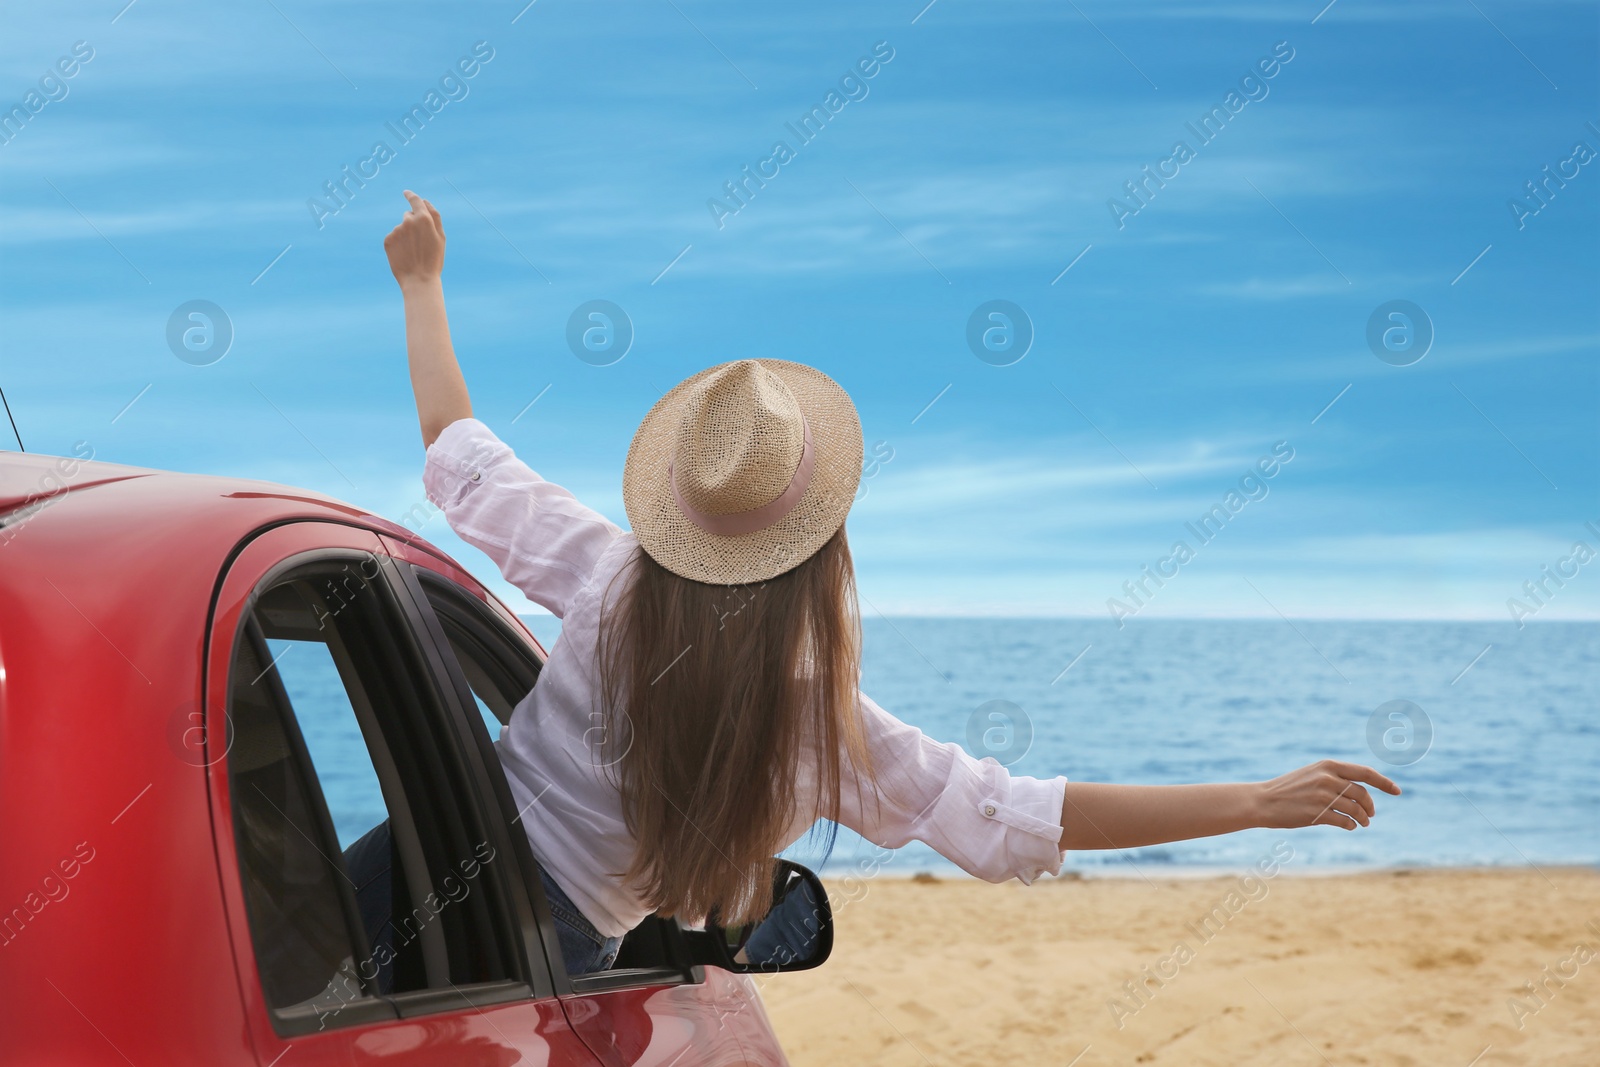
334 753
652 1007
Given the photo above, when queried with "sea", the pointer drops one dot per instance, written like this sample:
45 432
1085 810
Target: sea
1492 732
1500 768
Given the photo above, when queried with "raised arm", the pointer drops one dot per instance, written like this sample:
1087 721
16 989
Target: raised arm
416 256
1098 815
543 540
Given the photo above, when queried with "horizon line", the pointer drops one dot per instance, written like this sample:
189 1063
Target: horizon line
1064 617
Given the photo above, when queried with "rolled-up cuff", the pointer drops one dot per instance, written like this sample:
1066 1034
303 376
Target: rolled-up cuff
1032 812
997 826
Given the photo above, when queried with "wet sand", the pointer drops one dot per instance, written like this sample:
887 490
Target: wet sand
1393 968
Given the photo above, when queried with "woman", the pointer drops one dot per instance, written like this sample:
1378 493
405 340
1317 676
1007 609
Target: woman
700 709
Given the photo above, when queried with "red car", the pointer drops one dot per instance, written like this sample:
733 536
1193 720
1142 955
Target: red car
171 888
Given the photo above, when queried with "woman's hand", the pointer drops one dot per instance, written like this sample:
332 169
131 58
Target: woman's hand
416 246
1327 791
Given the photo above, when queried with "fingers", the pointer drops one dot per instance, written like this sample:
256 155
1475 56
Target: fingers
423 209
1355 772
1332 817
1362 798
1351 808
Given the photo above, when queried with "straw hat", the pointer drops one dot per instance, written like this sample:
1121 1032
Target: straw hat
743 471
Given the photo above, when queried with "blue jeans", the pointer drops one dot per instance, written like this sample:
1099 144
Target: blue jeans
582 946
369 861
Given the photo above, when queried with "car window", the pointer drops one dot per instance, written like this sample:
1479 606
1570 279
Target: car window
360 848
497 663
494 703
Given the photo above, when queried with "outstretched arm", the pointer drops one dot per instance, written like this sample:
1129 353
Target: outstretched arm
416 256
997 825
1097 815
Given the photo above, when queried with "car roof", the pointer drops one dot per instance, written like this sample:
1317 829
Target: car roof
29 476
44 497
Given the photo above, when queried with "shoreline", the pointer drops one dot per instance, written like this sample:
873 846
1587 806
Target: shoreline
1197 873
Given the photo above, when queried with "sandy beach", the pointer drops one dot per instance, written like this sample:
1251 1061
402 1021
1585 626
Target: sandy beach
1394 968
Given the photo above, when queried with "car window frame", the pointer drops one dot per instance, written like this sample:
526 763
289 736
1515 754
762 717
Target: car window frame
531 979
485 618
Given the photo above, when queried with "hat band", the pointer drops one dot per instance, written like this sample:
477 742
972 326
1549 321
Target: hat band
736 523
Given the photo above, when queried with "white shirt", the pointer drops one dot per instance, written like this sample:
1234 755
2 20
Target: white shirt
561 554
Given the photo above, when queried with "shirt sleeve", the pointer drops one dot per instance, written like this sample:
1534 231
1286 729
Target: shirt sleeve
975 813
543 540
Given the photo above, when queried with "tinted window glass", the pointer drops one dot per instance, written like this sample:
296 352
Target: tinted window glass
301 933
332 735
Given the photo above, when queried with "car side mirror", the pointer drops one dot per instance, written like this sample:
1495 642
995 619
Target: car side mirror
795 935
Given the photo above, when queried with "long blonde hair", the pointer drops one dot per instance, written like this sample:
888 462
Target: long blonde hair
716 698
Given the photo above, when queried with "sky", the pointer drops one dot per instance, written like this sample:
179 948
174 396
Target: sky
1159 347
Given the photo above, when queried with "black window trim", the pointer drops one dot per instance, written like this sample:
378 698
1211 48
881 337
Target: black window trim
532 981
490 631
532 914
508 897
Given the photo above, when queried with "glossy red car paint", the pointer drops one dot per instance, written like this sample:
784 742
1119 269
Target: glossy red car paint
123 936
